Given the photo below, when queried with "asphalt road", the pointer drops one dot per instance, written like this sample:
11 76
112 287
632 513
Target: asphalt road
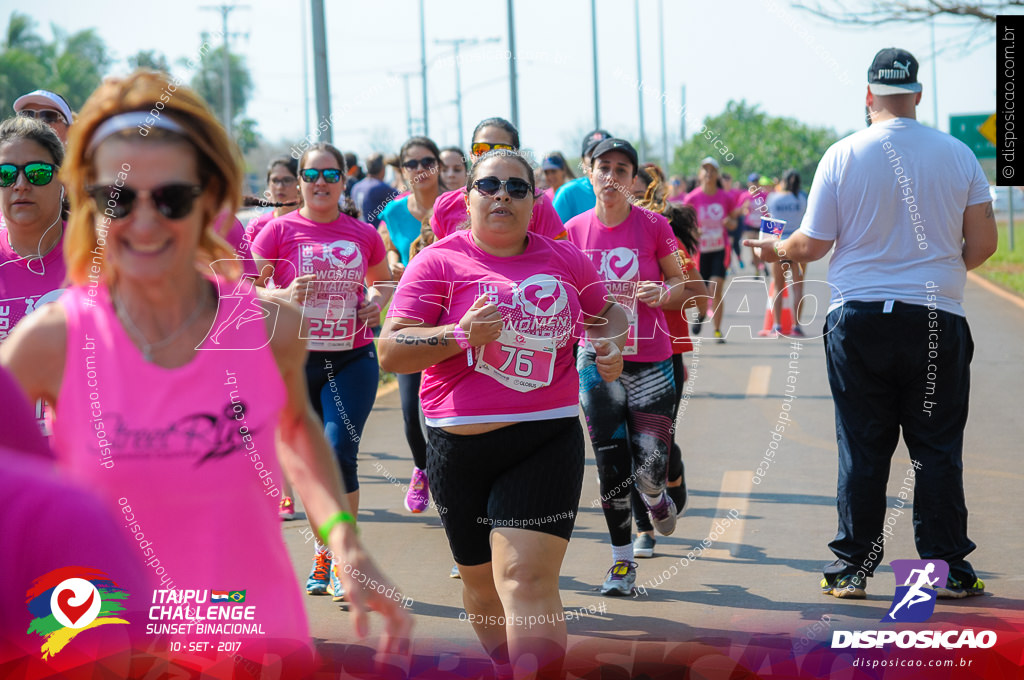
757 582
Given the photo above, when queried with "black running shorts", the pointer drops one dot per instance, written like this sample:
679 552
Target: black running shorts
524 476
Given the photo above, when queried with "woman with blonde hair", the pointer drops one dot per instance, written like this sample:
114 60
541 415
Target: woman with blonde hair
169 377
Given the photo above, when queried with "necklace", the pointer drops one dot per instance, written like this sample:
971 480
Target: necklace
148 347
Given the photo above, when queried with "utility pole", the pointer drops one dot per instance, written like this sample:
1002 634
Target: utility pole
305 68
664 92
226 67
593 43
408 103
323 92
457 43
513 84
423 71
682 119
640 82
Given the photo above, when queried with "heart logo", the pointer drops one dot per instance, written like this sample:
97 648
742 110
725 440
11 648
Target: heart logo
73 612
344 254
621 264
542 295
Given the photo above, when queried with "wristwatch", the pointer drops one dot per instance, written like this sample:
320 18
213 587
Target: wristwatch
461 339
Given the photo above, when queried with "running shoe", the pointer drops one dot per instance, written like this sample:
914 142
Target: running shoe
620 579
719 338
319 577
679 497
956 589
417 498
334 588
797 332
698 324
663 514
287 508
643 546
847 587
454 573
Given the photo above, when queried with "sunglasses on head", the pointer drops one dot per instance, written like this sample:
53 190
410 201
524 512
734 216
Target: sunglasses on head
514 186
38 174
173 201
330 175
427 163
46 115
480 148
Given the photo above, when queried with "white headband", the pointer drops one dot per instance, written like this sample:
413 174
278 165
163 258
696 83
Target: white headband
140 119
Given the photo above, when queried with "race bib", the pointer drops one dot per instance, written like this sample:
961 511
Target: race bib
518 362
331 328
631 339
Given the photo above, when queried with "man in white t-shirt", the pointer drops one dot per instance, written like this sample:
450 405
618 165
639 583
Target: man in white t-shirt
908 210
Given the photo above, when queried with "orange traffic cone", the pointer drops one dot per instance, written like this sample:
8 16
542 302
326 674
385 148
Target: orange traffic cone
787 313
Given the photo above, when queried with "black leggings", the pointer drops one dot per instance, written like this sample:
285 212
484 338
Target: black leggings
630 424
675 455
409 392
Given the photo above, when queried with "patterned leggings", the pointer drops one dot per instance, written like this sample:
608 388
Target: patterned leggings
630 425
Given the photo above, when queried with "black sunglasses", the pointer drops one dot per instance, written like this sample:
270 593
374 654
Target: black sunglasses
38 173
173 201
427 163
331 175
46 116
514 186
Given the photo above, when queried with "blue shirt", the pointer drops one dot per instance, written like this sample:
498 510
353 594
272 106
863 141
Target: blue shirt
575 197
403 228
371 195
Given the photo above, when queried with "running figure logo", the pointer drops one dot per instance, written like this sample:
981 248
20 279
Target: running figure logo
914 601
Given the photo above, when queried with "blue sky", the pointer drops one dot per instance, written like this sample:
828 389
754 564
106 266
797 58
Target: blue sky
788 62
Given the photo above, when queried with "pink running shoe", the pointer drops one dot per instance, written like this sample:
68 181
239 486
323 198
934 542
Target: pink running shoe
286 510
418 497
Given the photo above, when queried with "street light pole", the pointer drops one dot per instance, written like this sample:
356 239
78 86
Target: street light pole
226 62
323 93
457 43
513 84
640 82
593 43
664 92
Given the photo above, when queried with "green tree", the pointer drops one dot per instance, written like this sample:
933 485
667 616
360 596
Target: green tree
209 78
72 64
150 59
755 142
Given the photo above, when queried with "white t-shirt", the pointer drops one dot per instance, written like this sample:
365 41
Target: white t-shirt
783 205
892 197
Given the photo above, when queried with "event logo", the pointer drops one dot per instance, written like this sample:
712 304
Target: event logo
620 264
70 600
914 601
343 254
540 295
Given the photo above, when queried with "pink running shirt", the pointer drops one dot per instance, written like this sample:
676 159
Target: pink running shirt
185 459
338 253
25 284
529 373
711 213
450 215
625 255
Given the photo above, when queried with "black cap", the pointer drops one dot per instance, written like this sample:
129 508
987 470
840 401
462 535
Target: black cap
620 145
592 138
894 71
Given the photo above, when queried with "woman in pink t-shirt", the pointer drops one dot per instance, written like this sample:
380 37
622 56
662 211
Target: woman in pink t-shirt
630 420
319 257
169 386
450 213
32 230
490 315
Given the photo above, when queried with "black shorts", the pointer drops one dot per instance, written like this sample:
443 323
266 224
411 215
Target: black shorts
524 476
712 265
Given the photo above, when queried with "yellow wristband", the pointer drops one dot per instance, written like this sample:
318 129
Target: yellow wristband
337 518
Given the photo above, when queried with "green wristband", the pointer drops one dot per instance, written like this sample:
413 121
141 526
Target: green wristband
339 517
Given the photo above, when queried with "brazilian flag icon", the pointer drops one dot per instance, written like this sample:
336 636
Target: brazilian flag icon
237 596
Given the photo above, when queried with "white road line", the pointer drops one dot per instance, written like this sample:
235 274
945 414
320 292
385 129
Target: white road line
734 495
757 384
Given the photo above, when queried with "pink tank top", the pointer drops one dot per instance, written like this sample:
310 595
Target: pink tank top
185 460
